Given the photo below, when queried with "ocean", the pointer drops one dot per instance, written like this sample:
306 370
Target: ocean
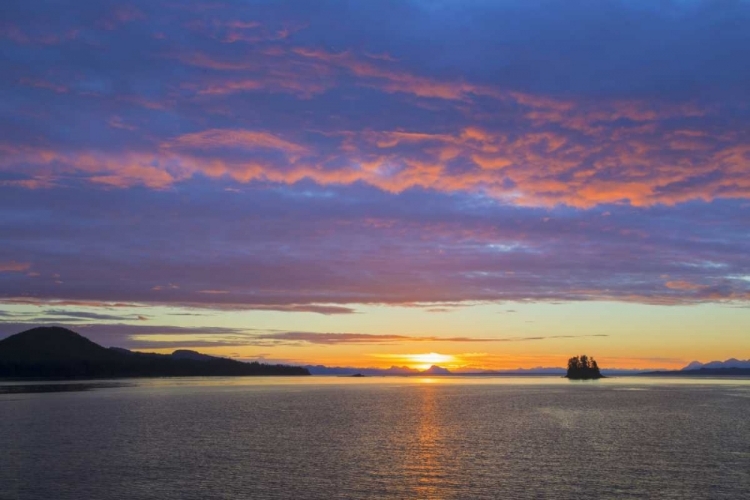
378 438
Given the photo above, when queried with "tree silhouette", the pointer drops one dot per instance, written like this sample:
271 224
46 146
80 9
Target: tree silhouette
583 368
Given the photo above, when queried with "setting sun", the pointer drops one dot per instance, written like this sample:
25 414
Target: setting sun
424 361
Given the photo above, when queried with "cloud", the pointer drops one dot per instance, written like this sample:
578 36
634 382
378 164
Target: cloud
242 139
280 111
541 169
307 249
452 161
65 303
324 309
684 285
165 336
43 84
139 336
68 316
14 267
372 339
320 309
394 80
58 314
170 286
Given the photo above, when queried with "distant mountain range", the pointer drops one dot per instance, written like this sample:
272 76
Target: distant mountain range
54 352
730 368
713 365
374 372
710 369
435 370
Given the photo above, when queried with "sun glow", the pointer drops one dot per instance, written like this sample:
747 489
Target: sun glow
420 361
424 361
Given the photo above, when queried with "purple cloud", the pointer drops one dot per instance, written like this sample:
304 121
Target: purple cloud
241 157
279 110
136 336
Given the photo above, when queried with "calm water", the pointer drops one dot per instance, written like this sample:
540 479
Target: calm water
330 438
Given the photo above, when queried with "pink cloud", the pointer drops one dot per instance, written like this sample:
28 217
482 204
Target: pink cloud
37 36
543 168
244 139
557 151
122 14
684 285
14 266
43 84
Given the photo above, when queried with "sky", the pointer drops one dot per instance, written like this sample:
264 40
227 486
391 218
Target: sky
485 184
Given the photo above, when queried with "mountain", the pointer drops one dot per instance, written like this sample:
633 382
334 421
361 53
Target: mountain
402 371
467 371
462 371
729 368
703 372
194 355
375 372
693 366
717 365
61 353
436 370
52 344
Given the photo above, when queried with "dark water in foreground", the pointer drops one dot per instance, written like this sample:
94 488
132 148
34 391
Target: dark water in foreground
379 438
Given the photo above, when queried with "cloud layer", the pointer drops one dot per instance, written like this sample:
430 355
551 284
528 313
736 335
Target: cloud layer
300 158
136 336
629 109
322 250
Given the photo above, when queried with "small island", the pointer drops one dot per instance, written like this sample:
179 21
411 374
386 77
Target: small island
583 368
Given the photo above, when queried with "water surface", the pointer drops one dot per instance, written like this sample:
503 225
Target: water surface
331 438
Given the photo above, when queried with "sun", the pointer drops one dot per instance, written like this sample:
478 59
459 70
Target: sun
424 361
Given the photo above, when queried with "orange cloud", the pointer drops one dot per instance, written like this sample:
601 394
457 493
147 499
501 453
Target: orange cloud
244 139
684 285
14 267
277 84
529 169
560 151
393 80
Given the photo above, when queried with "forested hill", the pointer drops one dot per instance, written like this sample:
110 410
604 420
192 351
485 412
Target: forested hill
54 352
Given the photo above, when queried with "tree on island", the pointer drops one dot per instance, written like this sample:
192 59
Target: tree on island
583 368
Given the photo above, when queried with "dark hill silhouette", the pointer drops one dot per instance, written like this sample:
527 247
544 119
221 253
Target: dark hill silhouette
583 368
194 355
50 344
55 352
